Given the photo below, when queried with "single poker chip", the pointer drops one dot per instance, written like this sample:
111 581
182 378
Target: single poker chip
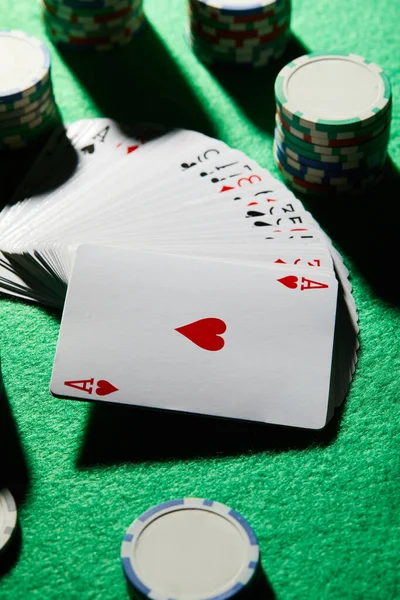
61 9
374 160
245 61
26 68
190 548
30 128
27 101
238 39
321 177
238 33
385 117
301 169
235 54
27 118
95 4
92 18
234 7
312 185
238 64
237 16
320 151
77 37
85 22
326 158
329 91
237 25
306 187
8 518
27 108
42 127
75 30
78 44
90 33
232 52
342 142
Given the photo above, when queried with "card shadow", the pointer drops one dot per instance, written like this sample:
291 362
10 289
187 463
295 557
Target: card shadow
253 89
14 475
117 434
14 167
139 83
364 227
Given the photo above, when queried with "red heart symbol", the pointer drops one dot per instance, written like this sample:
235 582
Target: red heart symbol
131 149
105 387
205 333
290 281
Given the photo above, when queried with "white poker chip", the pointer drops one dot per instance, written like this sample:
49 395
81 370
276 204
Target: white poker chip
8 517
24 65
190 549
332 91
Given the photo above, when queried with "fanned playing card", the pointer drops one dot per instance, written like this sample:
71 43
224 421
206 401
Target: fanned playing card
179 220
198 335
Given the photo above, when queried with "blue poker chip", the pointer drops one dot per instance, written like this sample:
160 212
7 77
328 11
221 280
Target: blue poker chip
366 163
27 68
325 179
190 548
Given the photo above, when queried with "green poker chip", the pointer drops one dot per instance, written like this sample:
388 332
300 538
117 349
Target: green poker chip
330 92
27 108
27 100
327 158
61 9
304 132
27 118
214 24
259 59
238 33
362 138
99 27
27 129
36 129
76 30
321 151
225 52
376 159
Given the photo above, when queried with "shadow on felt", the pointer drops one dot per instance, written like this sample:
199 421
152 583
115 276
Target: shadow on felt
253 89
365 228
139 83
13 475
118 433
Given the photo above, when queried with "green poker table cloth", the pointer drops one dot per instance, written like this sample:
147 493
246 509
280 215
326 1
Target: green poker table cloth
324 505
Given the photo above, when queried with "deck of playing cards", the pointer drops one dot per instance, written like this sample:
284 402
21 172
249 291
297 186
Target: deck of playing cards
190 278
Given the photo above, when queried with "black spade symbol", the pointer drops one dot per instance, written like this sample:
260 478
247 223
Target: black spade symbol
88 149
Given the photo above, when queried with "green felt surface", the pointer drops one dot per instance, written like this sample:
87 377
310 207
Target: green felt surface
325 505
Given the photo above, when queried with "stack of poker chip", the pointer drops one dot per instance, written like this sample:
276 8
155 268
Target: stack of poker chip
28 110
333 117
92 24
239 32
